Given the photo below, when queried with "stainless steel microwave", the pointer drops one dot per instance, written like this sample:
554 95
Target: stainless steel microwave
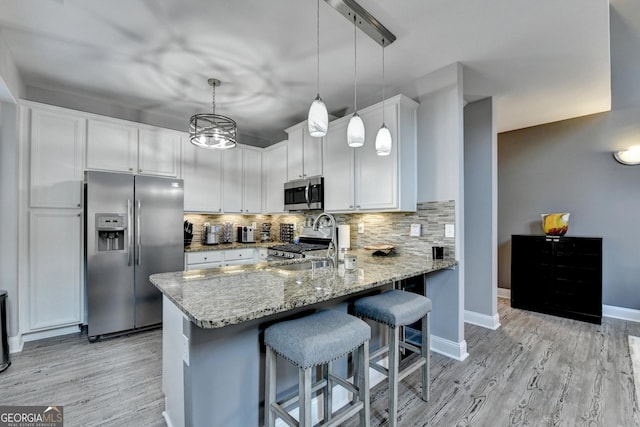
304 194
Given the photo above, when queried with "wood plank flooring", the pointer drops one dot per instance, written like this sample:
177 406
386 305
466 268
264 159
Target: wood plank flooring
536 370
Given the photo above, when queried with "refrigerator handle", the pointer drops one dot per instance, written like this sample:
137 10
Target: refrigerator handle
138 233
130 230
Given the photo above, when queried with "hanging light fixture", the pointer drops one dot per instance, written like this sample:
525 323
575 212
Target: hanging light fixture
318 117
630 156
213 131
383 138
355 129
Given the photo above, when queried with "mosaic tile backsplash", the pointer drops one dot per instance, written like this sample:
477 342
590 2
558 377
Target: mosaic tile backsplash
379 228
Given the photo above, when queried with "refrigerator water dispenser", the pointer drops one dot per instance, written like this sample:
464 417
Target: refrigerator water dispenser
110 232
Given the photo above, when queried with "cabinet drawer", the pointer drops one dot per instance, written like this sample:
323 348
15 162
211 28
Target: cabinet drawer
236 254
203 257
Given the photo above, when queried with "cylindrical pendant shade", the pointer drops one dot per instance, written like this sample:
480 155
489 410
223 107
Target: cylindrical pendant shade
318 118
383 141
355 131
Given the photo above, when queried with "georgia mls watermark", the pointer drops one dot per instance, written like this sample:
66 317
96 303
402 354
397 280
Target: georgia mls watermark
31 416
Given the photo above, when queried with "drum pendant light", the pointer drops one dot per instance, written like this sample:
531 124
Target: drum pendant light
318 120
355 129
212 131
383 138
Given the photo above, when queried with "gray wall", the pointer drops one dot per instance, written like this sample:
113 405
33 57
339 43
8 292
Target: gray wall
568 167
480 287
9 212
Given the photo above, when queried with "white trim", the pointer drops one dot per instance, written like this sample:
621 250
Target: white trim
34 336
15 344
479 319
623 313
452 349
504 293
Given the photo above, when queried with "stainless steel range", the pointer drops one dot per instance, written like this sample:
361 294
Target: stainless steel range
310 240
292 250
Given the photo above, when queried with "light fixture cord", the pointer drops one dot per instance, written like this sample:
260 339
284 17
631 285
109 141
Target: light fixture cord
355 66
318 46
383 81
213 98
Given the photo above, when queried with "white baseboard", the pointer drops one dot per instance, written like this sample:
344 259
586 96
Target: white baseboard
621 313
15 344
479 319
452 349
504 293
34 336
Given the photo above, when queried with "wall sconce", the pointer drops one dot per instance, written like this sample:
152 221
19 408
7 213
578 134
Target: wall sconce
630 156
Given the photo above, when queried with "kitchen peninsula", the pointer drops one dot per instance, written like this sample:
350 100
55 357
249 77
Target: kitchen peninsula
213 323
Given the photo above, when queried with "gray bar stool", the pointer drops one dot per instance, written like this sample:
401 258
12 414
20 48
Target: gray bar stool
395 309
311 341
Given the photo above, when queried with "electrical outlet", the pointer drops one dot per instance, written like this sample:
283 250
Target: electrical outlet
449 230
415 230
254 225
360 227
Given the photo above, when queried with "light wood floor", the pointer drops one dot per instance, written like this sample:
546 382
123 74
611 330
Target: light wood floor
535 370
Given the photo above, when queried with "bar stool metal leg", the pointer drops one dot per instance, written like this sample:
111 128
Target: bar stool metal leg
426 353
270 386
394 337
304 388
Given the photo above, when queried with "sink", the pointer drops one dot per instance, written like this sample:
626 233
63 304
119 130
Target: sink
306 265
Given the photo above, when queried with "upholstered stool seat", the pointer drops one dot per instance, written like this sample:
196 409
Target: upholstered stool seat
318 340
396 309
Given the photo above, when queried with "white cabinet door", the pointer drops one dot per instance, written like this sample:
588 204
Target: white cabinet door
338 169
252 180
159 152
312 159
57 159
295 153
275 175
376 176
232 180
112 146
202 175
304 153
55 268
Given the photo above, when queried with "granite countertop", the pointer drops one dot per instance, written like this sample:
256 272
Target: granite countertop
217 297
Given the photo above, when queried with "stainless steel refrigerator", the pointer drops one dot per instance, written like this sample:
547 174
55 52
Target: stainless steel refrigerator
133 229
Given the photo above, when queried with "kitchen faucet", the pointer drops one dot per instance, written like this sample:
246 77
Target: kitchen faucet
332 252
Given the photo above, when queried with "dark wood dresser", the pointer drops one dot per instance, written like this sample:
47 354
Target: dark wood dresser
557 275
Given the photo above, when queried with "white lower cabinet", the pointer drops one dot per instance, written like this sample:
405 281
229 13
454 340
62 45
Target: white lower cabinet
220 258
357 179
55 291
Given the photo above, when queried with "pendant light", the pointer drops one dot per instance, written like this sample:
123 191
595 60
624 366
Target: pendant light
213 131
383 138
318 120
355 129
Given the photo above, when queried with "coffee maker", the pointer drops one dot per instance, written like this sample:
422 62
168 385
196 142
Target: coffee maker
210 234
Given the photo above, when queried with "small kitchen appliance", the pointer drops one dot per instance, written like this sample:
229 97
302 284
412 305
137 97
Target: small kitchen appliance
210 234
245 235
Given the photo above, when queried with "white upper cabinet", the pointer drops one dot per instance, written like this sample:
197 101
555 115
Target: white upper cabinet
202 175
112 146
57 141
357 179
159 152
252 180
118 146
275 175
242 180
339 164
304 156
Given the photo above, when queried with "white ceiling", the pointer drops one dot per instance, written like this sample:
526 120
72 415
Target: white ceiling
542 61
